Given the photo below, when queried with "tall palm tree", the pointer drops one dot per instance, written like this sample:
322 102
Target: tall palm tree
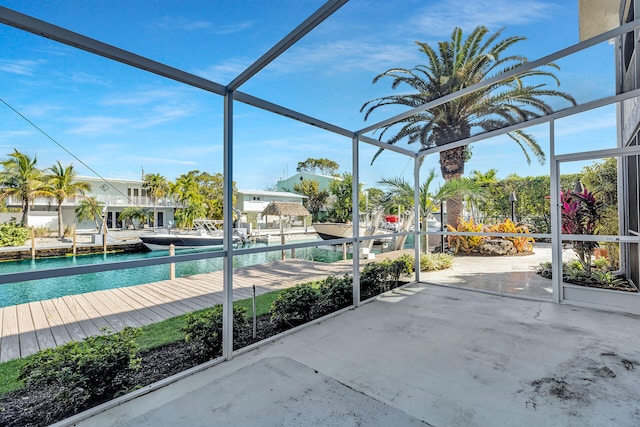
22 179
62 184
157 187
91 209
455 65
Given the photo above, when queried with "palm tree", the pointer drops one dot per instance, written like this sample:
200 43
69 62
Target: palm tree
134 213
62 184
478 208
157 187
455 65
401 192
91 209
21 178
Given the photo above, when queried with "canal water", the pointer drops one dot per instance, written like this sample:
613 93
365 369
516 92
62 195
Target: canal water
36 290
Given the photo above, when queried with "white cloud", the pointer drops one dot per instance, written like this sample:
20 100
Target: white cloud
97 125
224 73
441 17
23 67
8 135
181 23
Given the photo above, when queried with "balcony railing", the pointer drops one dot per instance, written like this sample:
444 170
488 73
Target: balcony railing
110 201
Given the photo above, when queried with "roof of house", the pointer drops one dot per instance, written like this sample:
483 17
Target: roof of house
272 193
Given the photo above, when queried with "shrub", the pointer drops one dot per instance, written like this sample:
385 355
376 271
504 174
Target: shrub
521 244
435 261
399 267
80 370
372 279
13 234
465 243
294 305
203 330
335 293
41 231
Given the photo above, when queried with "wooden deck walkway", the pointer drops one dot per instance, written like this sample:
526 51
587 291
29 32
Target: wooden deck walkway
27 328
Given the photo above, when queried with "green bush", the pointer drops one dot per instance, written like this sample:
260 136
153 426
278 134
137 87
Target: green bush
399 267
13 234
335 293
435 261
203 330
373 279
80 370
294 306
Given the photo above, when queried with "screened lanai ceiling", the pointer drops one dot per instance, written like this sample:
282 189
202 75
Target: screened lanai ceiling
141 121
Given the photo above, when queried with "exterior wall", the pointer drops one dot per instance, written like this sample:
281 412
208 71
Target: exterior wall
117 195
253 203
289 183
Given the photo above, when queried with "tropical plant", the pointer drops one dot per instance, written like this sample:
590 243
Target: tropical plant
453 66
401 192
580 215
316 199
157 187
90 209
22 179
465 244
342 207
521 244
135 213
13 234
62 184
602 179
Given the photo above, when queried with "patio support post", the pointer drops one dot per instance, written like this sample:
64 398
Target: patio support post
417 226
355 220
227 216
556 219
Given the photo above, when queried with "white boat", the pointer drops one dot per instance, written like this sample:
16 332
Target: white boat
338 230
205 234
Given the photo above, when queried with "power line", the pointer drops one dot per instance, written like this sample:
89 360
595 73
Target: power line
65 149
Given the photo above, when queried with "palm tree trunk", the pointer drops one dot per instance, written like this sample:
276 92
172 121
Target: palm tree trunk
452 167
60 224
25 213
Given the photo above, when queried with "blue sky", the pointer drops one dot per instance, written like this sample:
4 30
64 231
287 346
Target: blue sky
119 120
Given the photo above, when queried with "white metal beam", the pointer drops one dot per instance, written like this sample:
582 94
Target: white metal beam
355 219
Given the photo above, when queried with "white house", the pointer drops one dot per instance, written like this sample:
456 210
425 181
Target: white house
253 202
114 194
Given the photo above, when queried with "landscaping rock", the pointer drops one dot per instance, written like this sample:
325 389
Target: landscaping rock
497 247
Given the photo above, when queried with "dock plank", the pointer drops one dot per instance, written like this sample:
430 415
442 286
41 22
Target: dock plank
58 330
26 330
143 309
41 324
84 320
10 344
148 304
69 321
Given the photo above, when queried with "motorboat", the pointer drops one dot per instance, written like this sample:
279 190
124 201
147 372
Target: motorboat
205 234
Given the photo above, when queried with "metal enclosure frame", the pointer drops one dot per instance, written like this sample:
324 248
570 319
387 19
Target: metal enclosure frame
231 94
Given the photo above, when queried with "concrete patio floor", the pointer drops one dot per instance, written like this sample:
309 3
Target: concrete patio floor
422 355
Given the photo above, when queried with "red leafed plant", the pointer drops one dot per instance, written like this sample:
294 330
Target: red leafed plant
580 214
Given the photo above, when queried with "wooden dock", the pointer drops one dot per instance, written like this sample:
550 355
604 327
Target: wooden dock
27 328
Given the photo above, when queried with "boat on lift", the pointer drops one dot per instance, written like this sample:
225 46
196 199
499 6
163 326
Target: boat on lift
206 233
